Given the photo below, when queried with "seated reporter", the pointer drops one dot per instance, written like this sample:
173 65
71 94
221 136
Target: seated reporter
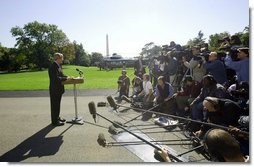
137 86
163 93
190 90
223 147
210 88
220 111
147 93
163 90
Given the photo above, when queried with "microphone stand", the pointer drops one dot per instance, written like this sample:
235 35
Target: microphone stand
186 119
146 141
142 114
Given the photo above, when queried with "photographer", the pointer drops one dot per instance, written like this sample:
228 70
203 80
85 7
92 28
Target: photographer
172 66
123 85
196 64
139 68
216 68
241 67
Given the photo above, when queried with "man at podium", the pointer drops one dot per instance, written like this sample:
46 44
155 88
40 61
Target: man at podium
56 88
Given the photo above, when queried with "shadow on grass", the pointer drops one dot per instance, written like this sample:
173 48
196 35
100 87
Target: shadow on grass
38 145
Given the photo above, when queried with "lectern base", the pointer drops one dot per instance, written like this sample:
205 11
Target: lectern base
78 121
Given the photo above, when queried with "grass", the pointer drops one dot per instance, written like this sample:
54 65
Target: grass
39 80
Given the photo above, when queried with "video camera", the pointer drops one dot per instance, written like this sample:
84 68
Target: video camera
228 46
224 40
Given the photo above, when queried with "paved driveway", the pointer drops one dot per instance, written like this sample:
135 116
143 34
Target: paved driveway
27 136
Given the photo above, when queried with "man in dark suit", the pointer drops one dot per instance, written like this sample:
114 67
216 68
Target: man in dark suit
56 89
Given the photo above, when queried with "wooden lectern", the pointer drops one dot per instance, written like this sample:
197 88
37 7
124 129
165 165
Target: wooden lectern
74 81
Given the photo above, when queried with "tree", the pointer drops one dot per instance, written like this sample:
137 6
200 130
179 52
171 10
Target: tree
96 58
199 40
244 36
150 49
213 41
39 41
81 57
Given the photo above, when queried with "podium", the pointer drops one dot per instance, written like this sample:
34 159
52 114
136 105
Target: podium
74 81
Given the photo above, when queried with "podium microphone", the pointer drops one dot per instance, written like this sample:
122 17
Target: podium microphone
92 110
80 72
111 102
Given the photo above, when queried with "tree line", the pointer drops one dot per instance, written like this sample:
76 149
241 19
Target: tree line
35 45
37 42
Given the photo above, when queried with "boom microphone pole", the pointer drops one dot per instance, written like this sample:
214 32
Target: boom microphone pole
102 141
181 118
143 113
115 106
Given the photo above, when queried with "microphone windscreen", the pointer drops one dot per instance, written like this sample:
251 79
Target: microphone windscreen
101 140
92 108
113 130
111 102
101 104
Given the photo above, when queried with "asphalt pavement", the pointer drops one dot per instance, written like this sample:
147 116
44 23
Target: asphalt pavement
27 135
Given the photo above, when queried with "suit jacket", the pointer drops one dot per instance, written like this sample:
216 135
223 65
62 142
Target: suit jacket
56 77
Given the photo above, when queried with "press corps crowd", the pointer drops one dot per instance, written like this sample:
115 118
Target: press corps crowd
213 89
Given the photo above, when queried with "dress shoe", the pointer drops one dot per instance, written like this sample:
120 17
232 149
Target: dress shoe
61 119
58 123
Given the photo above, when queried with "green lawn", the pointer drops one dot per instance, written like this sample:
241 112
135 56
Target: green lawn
39 80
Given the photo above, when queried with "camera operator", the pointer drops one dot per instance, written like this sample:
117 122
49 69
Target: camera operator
163 66
172 66
139 68
241 67
196 64
216 68
229 46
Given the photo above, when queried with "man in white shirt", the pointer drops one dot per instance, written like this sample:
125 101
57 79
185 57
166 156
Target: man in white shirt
147 92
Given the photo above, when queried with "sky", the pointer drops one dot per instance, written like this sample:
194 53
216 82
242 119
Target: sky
130 24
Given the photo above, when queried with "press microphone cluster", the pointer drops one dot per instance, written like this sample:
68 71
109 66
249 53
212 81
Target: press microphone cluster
101 138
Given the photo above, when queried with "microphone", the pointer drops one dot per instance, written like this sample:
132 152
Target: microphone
111 102
92 110
101 104
80 72
113 130
101 140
